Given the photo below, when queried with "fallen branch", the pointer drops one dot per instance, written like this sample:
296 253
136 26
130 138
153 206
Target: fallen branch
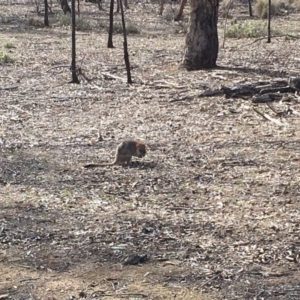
275 36
165 85
121 295
261 92
182 99
109 76
9 88
265 98
190 208
268 118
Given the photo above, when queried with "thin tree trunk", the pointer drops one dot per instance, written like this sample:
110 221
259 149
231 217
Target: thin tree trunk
202 44
111 25
162 2
46 19
269 22
126 56
99 5
74 73
250 8
180 12
37 6
118 5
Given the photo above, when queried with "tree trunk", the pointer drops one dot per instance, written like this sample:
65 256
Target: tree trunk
65 6
46 19
250 8
202 44
180 12
73 65
111 25
126 56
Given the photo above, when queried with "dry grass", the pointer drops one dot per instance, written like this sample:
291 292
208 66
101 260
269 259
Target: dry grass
215 204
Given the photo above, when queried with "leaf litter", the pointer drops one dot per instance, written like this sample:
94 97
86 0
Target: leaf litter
213 206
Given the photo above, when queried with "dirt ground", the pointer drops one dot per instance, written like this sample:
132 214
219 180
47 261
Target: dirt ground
215 203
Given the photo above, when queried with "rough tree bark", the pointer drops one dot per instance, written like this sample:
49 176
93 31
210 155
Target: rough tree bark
202 44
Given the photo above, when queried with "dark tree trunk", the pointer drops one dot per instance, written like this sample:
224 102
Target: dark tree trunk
65 6
126 56
118 5
111 25
78 8
99 5
202 44
250 8
73 66
46 19
180 12
269 22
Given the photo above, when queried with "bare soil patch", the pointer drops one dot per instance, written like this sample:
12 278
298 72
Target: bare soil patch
215 203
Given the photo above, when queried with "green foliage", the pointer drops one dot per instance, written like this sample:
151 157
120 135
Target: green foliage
103 24
117 29
81 24
9 45
35 22
7 19
130 28
168 15
5 58
248 29
65 20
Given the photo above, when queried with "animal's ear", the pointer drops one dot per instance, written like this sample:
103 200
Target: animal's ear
138 145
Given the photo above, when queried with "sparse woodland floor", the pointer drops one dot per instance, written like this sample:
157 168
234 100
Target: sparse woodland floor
215 203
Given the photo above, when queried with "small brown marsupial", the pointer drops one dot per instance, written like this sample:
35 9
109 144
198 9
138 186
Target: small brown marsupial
124 153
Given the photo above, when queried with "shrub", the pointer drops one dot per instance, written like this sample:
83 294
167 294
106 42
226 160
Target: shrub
65 20
7 19
35 22
118 28
131 28
103 24
168 15
9 45
5 58
249 29
81 24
